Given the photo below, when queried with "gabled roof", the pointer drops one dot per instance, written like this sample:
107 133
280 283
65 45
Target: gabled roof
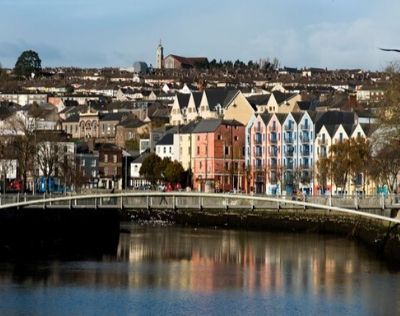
333 118
281 117
297 116
183 100
261 99
348 128
266 117
220 96
197 98
281 97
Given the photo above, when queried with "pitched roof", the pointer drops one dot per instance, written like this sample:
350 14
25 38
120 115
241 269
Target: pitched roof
167 139
297 116
142 157
220 96
210 125
261 99
183 99
117 116
266 117
188 128
73 118
191 61
280 97
132 122
333 118
197 98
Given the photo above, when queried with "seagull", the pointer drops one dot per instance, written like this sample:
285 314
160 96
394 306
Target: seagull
390 50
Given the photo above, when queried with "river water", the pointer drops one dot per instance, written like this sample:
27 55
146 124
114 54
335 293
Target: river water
159 270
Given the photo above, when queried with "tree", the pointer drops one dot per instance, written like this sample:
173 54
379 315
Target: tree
384 166
28 63
150 168
347 161
174 172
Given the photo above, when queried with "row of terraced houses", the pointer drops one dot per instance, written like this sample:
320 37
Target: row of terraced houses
272 154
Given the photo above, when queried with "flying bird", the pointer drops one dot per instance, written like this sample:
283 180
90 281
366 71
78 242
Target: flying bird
390 50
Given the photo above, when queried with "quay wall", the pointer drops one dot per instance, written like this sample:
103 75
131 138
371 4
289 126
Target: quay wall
381 237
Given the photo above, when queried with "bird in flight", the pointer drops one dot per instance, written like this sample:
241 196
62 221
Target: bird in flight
390 50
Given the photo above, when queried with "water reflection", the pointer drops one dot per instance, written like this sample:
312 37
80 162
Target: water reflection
208 262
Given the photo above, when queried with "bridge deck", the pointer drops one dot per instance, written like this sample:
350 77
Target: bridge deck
373 208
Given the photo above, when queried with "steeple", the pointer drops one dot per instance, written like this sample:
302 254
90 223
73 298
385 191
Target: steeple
159 56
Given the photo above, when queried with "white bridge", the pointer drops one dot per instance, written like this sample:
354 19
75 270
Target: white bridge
375 207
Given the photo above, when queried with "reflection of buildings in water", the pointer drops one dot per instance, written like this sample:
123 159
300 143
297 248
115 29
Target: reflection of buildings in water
258 262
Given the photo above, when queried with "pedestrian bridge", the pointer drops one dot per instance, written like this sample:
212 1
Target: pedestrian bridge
374 207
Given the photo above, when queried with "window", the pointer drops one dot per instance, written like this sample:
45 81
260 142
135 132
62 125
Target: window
236 138
83 162
115 159
170 149
93 164
105 158
165 149
226 150
198 150
200 165
219 137
94 174
106 171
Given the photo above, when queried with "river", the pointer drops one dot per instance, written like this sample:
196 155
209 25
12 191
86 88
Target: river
162 269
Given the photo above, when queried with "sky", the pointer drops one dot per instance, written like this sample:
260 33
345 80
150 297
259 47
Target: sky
300 33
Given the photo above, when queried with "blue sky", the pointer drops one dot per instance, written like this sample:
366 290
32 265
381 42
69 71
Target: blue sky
100 33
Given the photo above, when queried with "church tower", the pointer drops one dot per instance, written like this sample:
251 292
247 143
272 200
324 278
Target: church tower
159 56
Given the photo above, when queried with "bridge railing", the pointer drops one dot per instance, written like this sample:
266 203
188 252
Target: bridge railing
181 200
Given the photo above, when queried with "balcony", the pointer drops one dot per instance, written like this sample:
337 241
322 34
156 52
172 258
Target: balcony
322 141
289 153
289 140
272 128
258 152
305 139
273 140
305 126
258 141
289 166
289 127
259 168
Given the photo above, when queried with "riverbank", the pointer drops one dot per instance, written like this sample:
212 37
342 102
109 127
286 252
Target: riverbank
380 237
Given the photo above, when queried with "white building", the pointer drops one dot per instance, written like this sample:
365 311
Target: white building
164 148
